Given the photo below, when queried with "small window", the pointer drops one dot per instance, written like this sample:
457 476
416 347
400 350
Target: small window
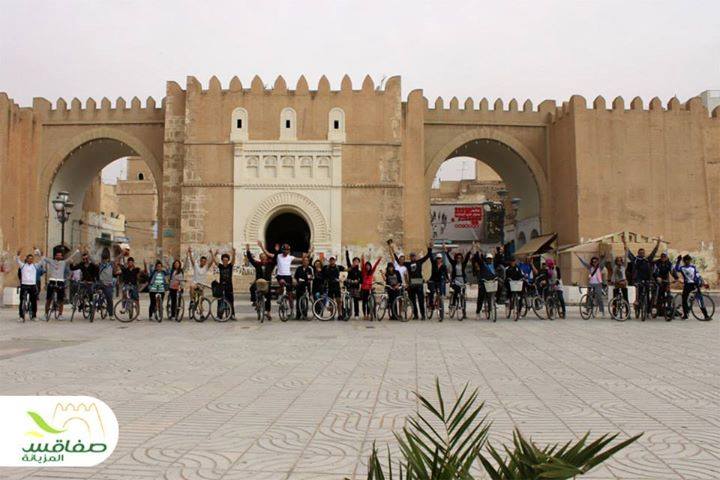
336 125
288 124
239 125
141 176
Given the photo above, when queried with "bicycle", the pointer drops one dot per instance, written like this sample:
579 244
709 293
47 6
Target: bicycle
553 307
220 309
662 301
642 303
324 307
199 306
262 288
83 301
158 311
534 301
490 305
696 300
516 306
285 306
180 306
619 307
303 306
589 302
54 309
25 304
458 303
127 308
437 303
402 306
378 302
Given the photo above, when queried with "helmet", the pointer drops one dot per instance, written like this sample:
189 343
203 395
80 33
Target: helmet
439 255
489 255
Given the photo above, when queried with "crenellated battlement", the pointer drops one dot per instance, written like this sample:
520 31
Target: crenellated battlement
577 103
280 87
484 105
104 111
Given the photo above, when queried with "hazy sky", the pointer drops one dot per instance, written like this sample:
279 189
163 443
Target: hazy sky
535 49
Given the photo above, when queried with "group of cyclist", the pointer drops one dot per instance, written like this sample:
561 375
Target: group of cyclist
303 275
652 279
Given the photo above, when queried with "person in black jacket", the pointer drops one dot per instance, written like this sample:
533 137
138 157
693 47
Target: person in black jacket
415 276
353 281
263 271
303 279
393 284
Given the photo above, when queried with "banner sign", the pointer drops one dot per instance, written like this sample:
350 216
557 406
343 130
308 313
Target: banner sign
458 222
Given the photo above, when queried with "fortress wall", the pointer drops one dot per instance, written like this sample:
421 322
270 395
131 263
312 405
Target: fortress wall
646 170
18 171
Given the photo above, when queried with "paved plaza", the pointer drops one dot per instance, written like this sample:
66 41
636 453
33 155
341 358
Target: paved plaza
306 400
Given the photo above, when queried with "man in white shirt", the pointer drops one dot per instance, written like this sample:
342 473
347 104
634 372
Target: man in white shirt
200 272
28 283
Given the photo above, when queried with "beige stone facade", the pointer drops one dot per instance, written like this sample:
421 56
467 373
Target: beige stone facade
357 164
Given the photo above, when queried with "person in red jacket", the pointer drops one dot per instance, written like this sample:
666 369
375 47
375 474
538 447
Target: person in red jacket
368 274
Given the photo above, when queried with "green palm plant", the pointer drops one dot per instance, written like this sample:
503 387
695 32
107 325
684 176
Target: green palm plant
443 444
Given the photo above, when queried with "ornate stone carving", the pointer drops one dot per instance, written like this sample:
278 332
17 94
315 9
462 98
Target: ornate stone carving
288 201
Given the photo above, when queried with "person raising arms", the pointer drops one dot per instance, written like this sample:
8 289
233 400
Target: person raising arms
415 277
225 274
264 267
368 276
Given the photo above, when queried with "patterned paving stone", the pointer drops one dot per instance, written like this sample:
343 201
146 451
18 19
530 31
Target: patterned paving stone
306 400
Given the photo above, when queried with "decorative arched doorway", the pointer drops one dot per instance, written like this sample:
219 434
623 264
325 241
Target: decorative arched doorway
291 228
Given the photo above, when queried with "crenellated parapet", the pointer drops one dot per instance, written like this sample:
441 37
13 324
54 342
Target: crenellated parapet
636 106
104 111
258 87
481 111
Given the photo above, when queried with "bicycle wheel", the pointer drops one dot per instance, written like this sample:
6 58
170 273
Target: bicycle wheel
260 307
400 308
551 308
709 307
220 309
441 308
509 306
102 308
158 314
124 310
284 308
586 307
453 307
372 306
538 307
324 309
381 308
86 307
619 309
518 303
347 306
180 309
202 310
303 306
493 309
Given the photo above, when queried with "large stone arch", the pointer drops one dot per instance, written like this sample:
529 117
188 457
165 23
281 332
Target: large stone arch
493 134
288 202
124 144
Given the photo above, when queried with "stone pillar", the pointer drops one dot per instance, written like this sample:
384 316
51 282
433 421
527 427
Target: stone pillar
173 160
